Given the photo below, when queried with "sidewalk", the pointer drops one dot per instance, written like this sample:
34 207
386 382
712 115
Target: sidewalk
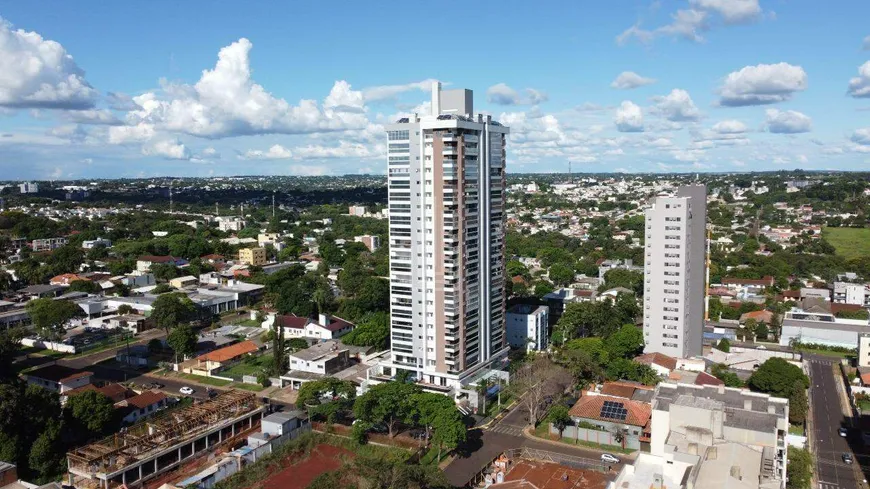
527 433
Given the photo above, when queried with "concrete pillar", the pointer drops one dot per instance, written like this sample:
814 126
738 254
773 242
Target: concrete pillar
179 454
155 465
140 473
220 436
234 430
124 478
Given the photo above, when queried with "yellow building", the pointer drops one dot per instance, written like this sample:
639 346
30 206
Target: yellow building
253 256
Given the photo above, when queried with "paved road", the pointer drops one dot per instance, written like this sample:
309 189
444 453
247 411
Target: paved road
483 446
828 417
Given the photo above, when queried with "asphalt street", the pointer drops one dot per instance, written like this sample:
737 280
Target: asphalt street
485 445
829 446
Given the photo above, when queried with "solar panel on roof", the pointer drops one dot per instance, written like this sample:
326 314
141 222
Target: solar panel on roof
613 410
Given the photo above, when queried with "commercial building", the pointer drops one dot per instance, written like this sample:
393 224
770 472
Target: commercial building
253 256
447 223
848 293
370 242
48 244
731 437
29 188
527 327
822 328
674 273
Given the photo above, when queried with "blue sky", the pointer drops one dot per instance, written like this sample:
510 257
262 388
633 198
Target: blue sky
120 89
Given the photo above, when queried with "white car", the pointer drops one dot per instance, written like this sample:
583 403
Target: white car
608 458
186 390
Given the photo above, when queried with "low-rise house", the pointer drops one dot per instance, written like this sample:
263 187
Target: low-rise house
661 363
94 243
41 291
762 316
849 293
115 392
141 406
143 264
324 327
212 362
66 279
370 242
184 281
58 378
316 362
612 415
135 356
526 327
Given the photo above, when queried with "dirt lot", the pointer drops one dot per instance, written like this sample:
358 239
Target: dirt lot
554 476
324 458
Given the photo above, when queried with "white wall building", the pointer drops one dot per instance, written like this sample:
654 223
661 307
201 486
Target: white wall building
674 273
847 293
29 188
526 327
864 350
446 199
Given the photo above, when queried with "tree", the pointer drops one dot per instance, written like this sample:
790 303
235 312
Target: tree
296 344
724 345
374 330
798 405
426 407
92 413
779 378
559 417
124 309
279 350
326 398
170 310
155 346
625 369
581 364
388 403
623 277
49 316
800 469
627 342
182 339
721 372
561 274
46 456
86 286
449 430
9 346
537 382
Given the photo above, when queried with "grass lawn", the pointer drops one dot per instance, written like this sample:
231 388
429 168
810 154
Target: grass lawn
829 353
543 431
849 242
251 323
206 380
795 430
492 406
249 366
431 456
864 406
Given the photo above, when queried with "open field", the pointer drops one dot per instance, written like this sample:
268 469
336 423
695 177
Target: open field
850 243
206 380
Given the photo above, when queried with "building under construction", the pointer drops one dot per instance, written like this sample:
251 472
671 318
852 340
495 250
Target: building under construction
142 452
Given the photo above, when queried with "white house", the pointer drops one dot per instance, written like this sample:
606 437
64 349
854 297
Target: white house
324 327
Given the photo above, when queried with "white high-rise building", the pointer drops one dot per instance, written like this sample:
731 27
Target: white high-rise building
675 273
447 219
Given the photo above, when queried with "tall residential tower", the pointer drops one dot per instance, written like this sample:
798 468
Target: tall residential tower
674 273
447 219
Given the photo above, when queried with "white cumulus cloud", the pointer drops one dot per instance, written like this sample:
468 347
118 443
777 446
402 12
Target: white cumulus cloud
859 87
628 80
275 152
39 73
762 84
730 127
502 94
677 106
227 102
171 149
92 116
629 117
787 122
732 11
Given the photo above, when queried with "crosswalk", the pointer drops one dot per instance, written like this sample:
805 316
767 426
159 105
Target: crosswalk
828 485
507 429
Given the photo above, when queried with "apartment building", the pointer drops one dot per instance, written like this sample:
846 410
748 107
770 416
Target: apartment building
674 273
253 256
849 293
446 206
370 242
527 327
731 437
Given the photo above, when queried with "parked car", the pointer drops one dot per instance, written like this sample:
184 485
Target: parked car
608 458
186 390
847 458
843 432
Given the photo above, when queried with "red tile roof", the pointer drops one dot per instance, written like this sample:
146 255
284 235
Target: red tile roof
767 281
657 358
336 324
706 379
589 407
229 352
291 321
760 316
66 279
837 307
157 259
618 390
145 399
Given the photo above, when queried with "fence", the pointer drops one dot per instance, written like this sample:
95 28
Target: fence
557 458
48 345
597 437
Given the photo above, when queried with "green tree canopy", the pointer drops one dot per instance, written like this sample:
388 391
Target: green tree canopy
170 310
626 342
92 412
182 339
49 316
388 403
778 378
